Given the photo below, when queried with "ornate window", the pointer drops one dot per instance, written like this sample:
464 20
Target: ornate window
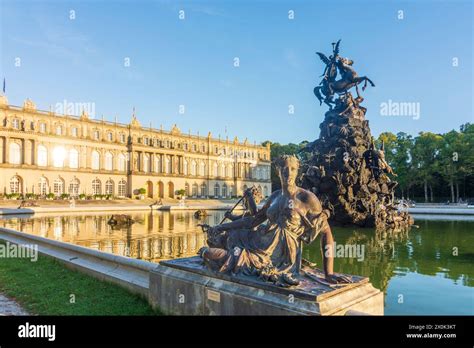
15 153
58 187
216 190
203 190
146 162
95 160
168 164
157 163
109 136
42 156
202 168
96 187
185 167
186 189
73 158
109 187
193 168
59 155
224 190
15 184
74 131
121 162
215 169
74 187
16 123
195 190
43 186
59 130
96 135
122 188
122 138
109 158
42 127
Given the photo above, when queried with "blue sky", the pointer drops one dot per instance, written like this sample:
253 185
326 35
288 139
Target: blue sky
190 62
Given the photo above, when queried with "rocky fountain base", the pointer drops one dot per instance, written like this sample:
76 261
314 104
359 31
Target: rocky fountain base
347 172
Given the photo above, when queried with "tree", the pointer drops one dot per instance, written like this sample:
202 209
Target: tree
398 152
426 153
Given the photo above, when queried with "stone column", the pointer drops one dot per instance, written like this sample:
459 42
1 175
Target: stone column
152 162
34 153
88 163
82 157
2 149
50 154
7 149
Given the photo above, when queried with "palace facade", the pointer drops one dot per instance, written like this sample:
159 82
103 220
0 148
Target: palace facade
45 153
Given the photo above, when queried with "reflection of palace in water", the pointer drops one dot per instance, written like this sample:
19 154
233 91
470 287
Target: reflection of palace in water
154 236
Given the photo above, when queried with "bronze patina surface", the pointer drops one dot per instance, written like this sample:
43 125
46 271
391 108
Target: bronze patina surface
343 167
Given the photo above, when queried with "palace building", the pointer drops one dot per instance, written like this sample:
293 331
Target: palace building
45 153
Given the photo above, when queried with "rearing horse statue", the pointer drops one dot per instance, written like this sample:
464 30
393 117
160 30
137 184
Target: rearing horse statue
349 78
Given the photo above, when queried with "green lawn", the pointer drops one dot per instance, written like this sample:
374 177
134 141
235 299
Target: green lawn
45 287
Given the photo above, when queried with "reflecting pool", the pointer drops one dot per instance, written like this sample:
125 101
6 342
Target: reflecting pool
428 270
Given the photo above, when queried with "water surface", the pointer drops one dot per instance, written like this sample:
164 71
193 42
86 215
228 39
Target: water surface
428 270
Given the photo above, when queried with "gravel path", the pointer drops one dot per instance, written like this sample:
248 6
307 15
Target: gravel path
10 307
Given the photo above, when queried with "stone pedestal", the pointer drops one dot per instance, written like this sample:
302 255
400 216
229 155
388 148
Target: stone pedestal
186 287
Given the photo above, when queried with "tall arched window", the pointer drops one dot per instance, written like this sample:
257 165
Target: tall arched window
167 165
202 169
15 184
157 163
43 186
73 158
224 190
230 170
195 190
185 167
222 171
193 167
215 169
203 190
96 187
42 156
109 158
95 160
146 162
216 190
59 155
122 188
186 189
15 153
58 187
121 162
109 187
74 187
231 191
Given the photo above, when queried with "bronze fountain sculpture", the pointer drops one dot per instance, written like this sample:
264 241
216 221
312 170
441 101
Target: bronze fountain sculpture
268 244
343 167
